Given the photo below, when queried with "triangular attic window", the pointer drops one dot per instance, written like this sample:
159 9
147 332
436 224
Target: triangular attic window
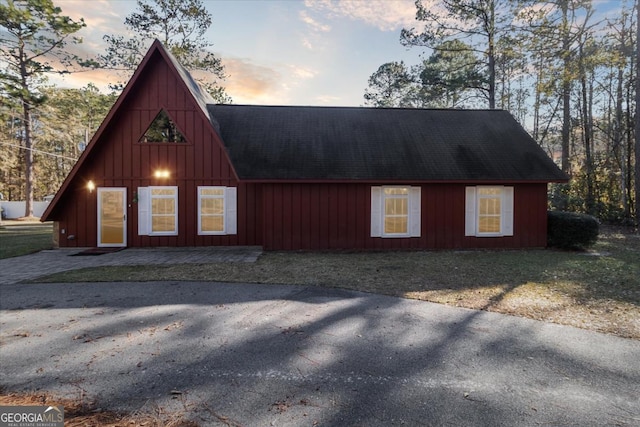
162 129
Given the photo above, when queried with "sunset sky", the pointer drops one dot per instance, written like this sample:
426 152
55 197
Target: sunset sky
313 52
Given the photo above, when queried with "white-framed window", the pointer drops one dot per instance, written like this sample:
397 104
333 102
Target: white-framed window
217 210
395 211
489 211
158 211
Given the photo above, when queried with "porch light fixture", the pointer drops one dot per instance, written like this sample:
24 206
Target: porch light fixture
91 186
161 173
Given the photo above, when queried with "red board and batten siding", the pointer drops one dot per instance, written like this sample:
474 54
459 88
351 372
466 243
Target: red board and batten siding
274 215
117 153
338 216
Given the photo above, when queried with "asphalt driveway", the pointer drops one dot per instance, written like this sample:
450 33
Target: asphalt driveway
255 355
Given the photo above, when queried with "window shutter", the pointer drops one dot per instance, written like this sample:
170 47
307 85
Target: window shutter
231 210
199 211
507 211
144 211
414 211
470 212
376 211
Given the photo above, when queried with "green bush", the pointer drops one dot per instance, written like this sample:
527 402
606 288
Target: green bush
569 230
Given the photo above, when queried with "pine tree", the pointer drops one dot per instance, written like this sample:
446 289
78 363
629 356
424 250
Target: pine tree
33 43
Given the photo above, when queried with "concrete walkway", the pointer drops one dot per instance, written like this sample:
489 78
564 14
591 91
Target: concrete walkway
28 267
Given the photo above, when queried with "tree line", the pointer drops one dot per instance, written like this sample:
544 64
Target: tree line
44 128
567 75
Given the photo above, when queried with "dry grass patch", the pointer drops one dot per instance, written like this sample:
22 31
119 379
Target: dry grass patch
597 290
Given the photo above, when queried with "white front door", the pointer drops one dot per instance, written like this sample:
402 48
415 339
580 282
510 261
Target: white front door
112 217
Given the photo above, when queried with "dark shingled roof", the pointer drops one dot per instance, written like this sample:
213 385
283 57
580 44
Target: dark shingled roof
379 144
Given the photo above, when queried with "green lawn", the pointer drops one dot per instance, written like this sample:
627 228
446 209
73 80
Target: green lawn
17 238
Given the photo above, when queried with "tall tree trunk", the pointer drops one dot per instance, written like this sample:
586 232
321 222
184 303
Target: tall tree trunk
537 102
629 133
492 55
28 160
618 143
637 124
587 131
588 159
28 142
566 89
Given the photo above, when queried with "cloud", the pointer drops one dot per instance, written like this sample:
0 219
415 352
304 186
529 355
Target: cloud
385 15
315 25
100 78
327 99
302 72
306 43
250 83
314 38
253 83
247 82
101 17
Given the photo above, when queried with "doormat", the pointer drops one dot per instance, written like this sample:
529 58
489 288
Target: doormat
97 251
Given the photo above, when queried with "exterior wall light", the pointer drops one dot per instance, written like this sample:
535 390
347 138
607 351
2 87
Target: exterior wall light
91 186
161 173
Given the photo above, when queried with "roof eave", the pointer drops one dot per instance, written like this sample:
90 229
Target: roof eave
400 181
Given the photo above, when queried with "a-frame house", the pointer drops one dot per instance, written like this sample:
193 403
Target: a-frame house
167 167
108 199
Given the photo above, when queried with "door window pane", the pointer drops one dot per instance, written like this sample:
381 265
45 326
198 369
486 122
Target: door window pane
111 217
